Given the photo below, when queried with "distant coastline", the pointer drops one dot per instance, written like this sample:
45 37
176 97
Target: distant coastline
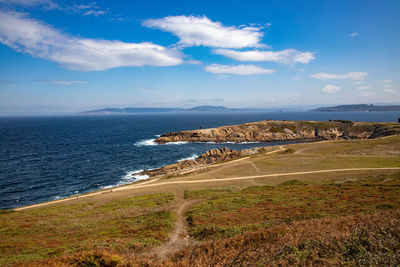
130 110
359 107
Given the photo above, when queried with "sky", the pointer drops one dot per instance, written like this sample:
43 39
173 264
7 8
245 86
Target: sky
59 56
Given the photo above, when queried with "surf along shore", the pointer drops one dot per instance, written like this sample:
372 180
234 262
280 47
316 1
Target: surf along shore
226 195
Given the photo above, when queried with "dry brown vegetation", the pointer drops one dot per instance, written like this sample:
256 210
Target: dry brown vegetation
356 240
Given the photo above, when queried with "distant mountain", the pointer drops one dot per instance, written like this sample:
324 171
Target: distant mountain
130 110
209 108
359 107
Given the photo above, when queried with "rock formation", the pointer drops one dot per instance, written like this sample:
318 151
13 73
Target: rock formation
212 156
270 130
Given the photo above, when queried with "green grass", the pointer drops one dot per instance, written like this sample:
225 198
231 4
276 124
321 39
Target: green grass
117 225
196 194
230 213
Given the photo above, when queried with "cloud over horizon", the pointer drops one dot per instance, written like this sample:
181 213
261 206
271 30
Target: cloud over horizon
238 69
63 82
287 56
329 88
201 31
38 39
347 76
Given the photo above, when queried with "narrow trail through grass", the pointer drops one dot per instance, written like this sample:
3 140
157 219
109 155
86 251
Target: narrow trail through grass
179 237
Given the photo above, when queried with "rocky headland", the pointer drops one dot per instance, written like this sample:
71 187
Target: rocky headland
212 156
271 130
264 131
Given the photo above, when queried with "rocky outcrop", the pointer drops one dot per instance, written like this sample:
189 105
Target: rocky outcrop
270 130
212 156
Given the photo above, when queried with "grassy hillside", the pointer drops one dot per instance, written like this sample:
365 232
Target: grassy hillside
297 204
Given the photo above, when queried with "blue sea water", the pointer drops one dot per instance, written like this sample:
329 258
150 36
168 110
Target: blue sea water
46 158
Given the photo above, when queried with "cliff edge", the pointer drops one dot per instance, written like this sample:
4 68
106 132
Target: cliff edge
271 130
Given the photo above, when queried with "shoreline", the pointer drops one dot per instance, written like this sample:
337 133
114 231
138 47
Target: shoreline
108 188
149 182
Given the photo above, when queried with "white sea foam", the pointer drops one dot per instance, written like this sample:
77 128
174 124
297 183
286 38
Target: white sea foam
192 157
177 143
228 142
147 142
128 178
134 176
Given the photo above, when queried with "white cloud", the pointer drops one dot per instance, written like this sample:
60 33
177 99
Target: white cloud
331 88
357 82
353 34
386 81
237 69
363 88
388 86
389 91
296 78
40 40
194 62
201 31
49 4
287 56
84 9
347 76
366 93
91 9
64 82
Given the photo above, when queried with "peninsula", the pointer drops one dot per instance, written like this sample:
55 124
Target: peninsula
359 107
134 110
271 130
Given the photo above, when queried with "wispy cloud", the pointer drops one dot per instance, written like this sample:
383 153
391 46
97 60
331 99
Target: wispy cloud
46 4
366 93
329 88
287 56
194 62
386 81
237 69
63 82
209 100
353 34
7 82
201 31
389 91
91 9
347 76
38 39
363 88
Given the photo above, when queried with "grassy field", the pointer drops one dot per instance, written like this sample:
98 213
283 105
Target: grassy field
117 225
269 218
225 213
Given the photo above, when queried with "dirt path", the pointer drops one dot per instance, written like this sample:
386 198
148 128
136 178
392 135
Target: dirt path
152 183
179 237
254 166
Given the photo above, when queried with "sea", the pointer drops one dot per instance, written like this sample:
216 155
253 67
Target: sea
49 158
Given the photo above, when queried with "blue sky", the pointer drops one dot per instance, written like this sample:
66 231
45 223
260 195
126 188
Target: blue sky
60 56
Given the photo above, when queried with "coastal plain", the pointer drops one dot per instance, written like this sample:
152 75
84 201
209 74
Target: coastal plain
327 202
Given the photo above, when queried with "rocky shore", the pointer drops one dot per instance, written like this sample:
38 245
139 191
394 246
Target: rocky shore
265 131
212 156
270 130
